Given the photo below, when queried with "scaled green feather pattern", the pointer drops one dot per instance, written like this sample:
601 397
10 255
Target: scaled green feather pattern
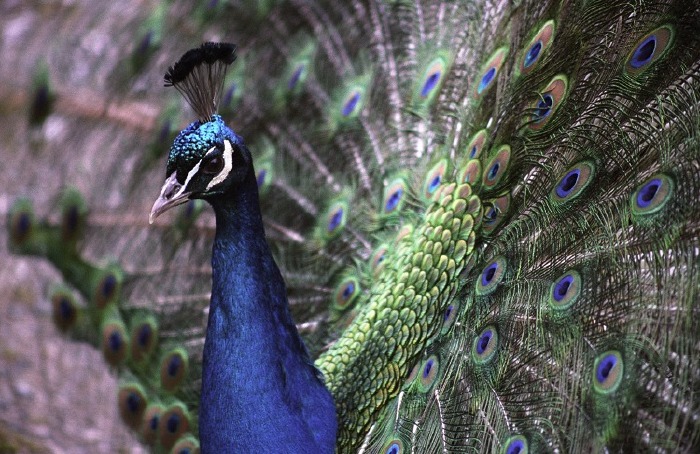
403 313
486 213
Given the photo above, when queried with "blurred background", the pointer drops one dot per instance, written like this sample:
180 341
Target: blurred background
81 103
85 125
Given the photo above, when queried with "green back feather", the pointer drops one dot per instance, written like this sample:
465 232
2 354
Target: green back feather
487 217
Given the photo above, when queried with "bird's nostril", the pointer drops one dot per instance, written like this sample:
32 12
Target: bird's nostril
171 190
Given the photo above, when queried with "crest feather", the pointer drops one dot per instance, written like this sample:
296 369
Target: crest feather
199 75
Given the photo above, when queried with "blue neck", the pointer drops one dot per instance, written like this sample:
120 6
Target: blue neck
260 390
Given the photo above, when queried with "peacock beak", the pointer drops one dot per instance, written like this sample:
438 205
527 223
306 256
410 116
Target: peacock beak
172 194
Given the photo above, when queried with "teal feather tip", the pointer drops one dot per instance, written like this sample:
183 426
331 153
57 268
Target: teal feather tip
650 48
21 221
115 343
485 346
516 444
65 309
608 371
187 444
144 335
461 227
173 369
73 214
151 422
107 287
132 402
489 73
174 422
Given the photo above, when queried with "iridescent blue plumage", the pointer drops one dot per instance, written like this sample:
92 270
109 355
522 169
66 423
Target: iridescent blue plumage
260 390
194 141
485 214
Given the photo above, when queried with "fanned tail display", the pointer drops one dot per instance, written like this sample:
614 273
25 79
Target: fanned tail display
486 216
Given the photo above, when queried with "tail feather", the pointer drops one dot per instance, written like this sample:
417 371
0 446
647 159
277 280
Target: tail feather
486 214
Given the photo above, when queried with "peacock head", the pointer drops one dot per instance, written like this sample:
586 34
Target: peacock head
206 160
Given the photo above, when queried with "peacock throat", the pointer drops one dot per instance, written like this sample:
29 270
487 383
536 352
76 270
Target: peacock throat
483 218
259 386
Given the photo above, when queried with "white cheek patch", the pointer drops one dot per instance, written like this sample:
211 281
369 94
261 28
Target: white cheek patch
228 165
171 183
193 171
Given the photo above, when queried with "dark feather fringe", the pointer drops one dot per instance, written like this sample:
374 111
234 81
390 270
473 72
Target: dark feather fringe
199 76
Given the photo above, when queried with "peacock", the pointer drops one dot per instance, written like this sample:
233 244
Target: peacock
437 226
251 339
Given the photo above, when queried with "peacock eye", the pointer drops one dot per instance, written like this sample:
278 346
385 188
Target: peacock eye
213 165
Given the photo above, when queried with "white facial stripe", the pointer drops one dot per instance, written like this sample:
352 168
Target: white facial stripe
191 174
182 189
210 151
228 165
169 183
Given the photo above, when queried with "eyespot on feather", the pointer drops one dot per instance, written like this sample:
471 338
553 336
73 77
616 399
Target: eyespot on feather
489 72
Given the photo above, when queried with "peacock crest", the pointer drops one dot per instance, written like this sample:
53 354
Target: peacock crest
475 225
